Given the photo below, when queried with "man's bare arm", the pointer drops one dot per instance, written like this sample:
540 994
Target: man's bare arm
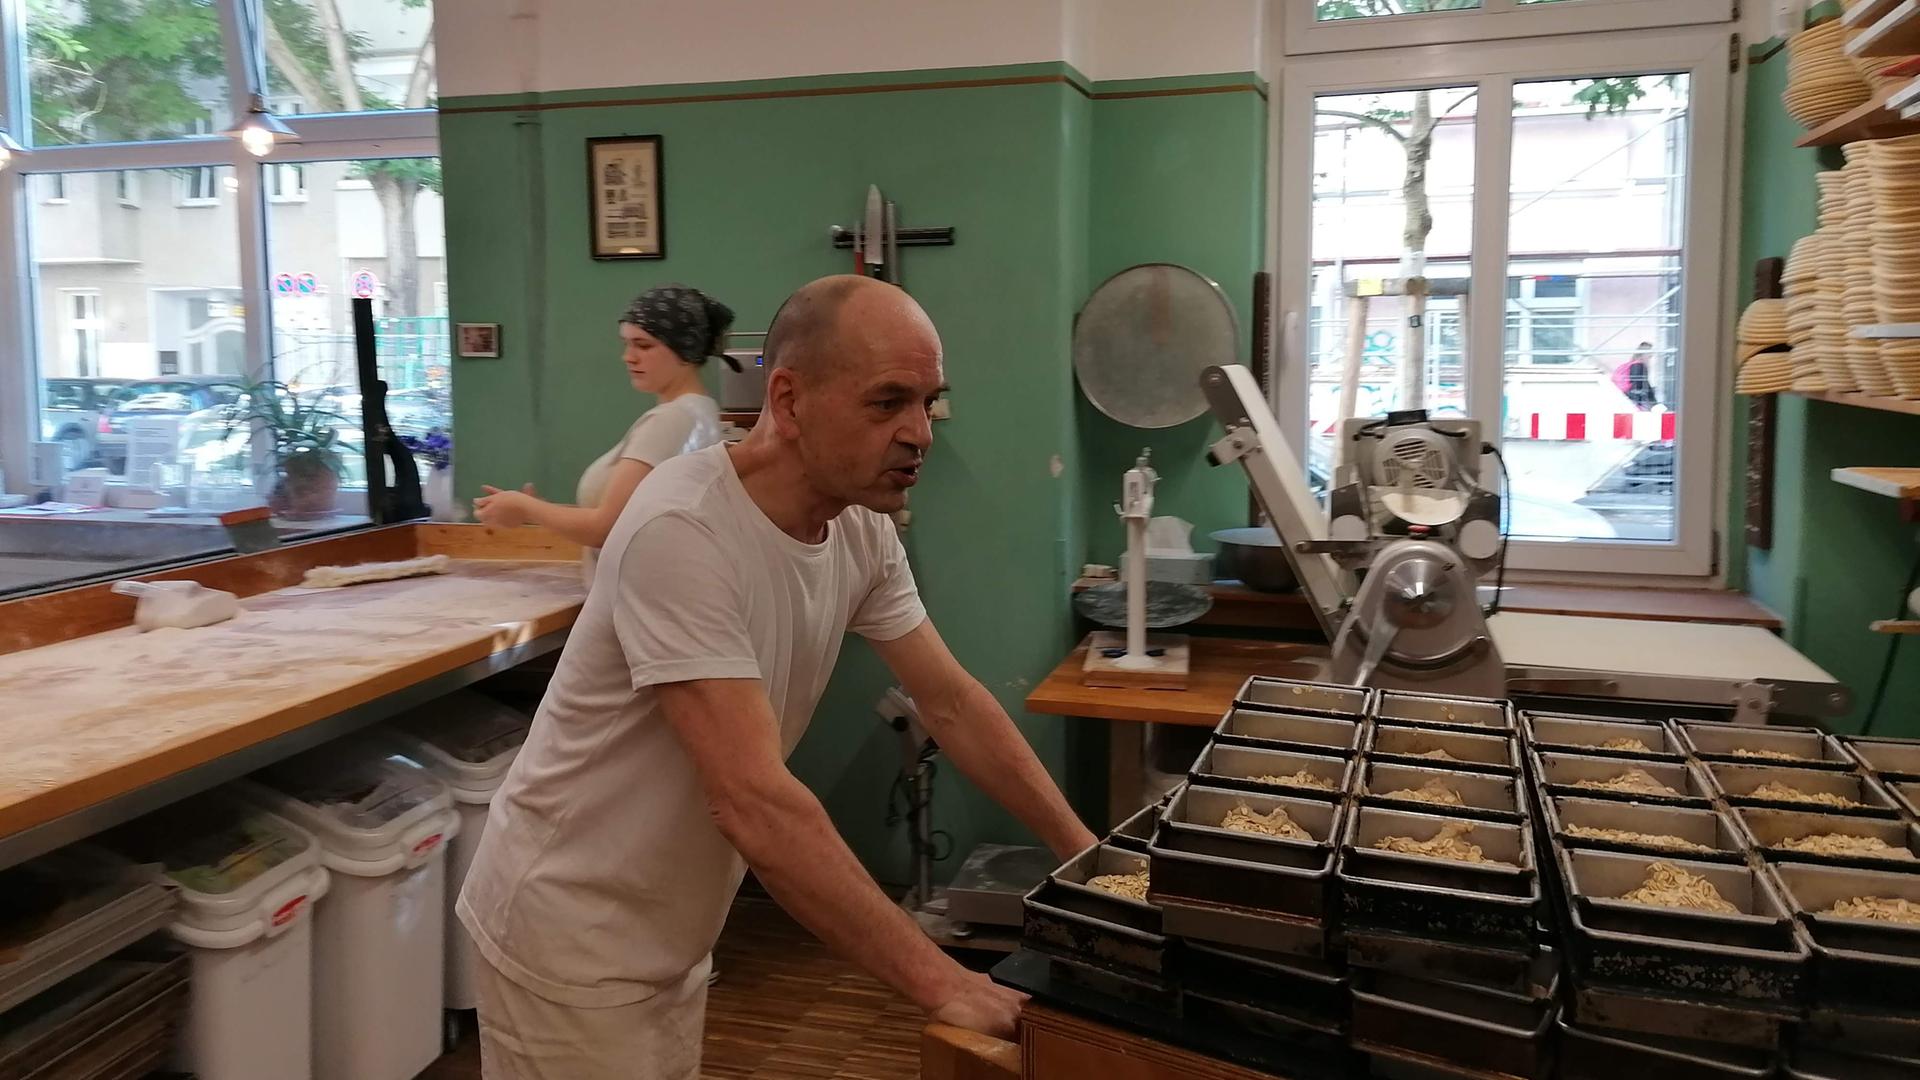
729 730
981 738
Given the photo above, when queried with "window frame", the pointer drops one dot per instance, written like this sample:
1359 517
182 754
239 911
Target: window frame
1701 445
83 330
392 133
126 188
1494 20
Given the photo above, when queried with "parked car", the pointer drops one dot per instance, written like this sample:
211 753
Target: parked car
70 412
173 395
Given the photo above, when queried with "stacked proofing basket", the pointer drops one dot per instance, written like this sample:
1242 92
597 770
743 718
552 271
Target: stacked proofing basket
1822 84
1764 367
378 966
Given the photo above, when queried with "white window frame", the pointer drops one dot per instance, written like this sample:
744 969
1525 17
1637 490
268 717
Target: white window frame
57 193
1496 66
286 183
126 187
83 332
386 134
1493 20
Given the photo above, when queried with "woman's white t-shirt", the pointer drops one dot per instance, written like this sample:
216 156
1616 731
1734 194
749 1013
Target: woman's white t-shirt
685 424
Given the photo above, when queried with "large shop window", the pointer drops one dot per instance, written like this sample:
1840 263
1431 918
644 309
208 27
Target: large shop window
1566 214
171 288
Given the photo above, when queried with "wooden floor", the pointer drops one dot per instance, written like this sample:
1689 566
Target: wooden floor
785 1009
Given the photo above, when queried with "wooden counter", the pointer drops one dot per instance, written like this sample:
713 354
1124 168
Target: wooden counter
103 723
1056 1045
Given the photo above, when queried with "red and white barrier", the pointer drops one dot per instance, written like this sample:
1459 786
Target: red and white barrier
1599 427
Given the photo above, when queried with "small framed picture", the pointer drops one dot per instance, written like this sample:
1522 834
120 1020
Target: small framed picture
478 340
626 194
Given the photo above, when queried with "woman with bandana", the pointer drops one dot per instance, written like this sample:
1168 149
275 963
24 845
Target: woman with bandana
668 334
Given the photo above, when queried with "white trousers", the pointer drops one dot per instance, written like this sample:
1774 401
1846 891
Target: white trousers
524 1036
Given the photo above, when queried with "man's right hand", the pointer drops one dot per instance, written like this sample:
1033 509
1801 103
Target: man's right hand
982 1005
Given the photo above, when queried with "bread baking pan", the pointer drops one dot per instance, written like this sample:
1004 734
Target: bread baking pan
1888 757
1294 696
1434 897
1241 888
1806 748
1225 765
1483 796
1907 794
1563 774
1440 710
1410 745
1067 918
1756 1025
1861 963
1293 985
1737 783
1334 735
1752 954
1527 969
1136 832
1767 829
1698 825
1453 1022
1588 1053
1585 734
1830 1063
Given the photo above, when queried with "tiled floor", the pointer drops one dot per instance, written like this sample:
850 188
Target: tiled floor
785 1009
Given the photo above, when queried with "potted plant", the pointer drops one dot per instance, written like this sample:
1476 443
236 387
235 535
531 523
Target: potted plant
305 441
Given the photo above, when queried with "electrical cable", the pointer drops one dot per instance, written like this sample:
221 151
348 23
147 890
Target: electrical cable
902 803
1506 525
1893 649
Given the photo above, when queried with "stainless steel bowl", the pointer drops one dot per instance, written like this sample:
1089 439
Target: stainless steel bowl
1255 558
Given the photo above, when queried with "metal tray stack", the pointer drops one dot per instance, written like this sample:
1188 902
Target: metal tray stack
116 1020
67 910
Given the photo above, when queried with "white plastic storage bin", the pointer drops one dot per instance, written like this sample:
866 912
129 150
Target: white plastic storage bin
468 740
248 880
382 822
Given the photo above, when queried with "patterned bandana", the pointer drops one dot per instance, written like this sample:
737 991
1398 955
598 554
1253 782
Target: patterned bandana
686 320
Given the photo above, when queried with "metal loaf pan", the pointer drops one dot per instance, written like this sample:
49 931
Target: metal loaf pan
1821 1063
1066 918
1486 797
1584 734
1561 774
1224 765
1408 745
1593 1054
1907 794
1439 898
1292 695
1766 827
1238 888
1306 1047
1441 710
1736 783
1136 832
1337 735
1699 825
1888 757
1310 989
1458 1023
1751 956
1862 963
1810 748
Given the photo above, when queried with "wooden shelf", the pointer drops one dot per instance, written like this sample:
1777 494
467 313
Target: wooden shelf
1874 120
1868 13
1891 482
1887 331
1896 33
1863 401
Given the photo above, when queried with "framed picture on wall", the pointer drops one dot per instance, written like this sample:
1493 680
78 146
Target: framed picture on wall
627 197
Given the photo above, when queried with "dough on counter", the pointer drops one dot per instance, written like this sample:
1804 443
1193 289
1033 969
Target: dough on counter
334 577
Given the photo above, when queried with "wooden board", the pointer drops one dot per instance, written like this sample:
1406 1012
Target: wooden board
1169 674
1217 667
91 718
1057 1046
1893 483
951 1053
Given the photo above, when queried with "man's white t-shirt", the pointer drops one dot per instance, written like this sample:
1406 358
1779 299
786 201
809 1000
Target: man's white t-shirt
602 877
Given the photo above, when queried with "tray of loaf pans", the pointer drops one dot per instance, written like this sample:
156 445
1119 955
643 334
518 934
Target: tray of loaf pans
1907 794
1890 758
1832 1063
1458 1023
1445 711
1640 1013
1866 952
1530 969
1644 828
1601 738
1588 1053
1670 783
1274 772
1797 747
1830 791
1876 1039
1135 833
1408 745
1289 695
1426 896
1749 955
1245 888
1419 789
1334 736
1098 931
1310 989
1312 1047
1831 839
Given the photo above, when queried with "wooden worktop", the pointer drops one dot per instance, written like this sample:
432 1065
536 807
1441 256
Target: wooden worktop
1218 667
95 710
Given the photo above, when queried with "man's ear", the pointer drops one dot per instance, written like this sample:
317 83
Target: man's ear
783 402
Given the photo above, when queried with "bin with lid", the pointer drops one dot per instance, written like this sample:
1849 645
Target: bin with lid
382 822
468 740
248 881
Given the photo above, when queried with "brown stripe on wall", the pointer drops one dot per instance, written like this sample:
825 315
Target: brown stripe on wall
1179 91
797 92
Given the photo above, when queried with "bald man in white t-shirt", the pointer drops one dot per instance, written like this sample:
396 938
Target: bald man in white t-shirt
656 771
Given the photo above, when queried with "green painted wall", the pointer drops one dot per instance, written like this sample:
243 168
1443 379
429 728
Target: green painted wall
751 187
1839 556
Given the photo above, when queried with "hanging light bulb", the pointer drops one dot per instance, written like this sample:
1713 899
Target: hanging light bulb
259 130
8 148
